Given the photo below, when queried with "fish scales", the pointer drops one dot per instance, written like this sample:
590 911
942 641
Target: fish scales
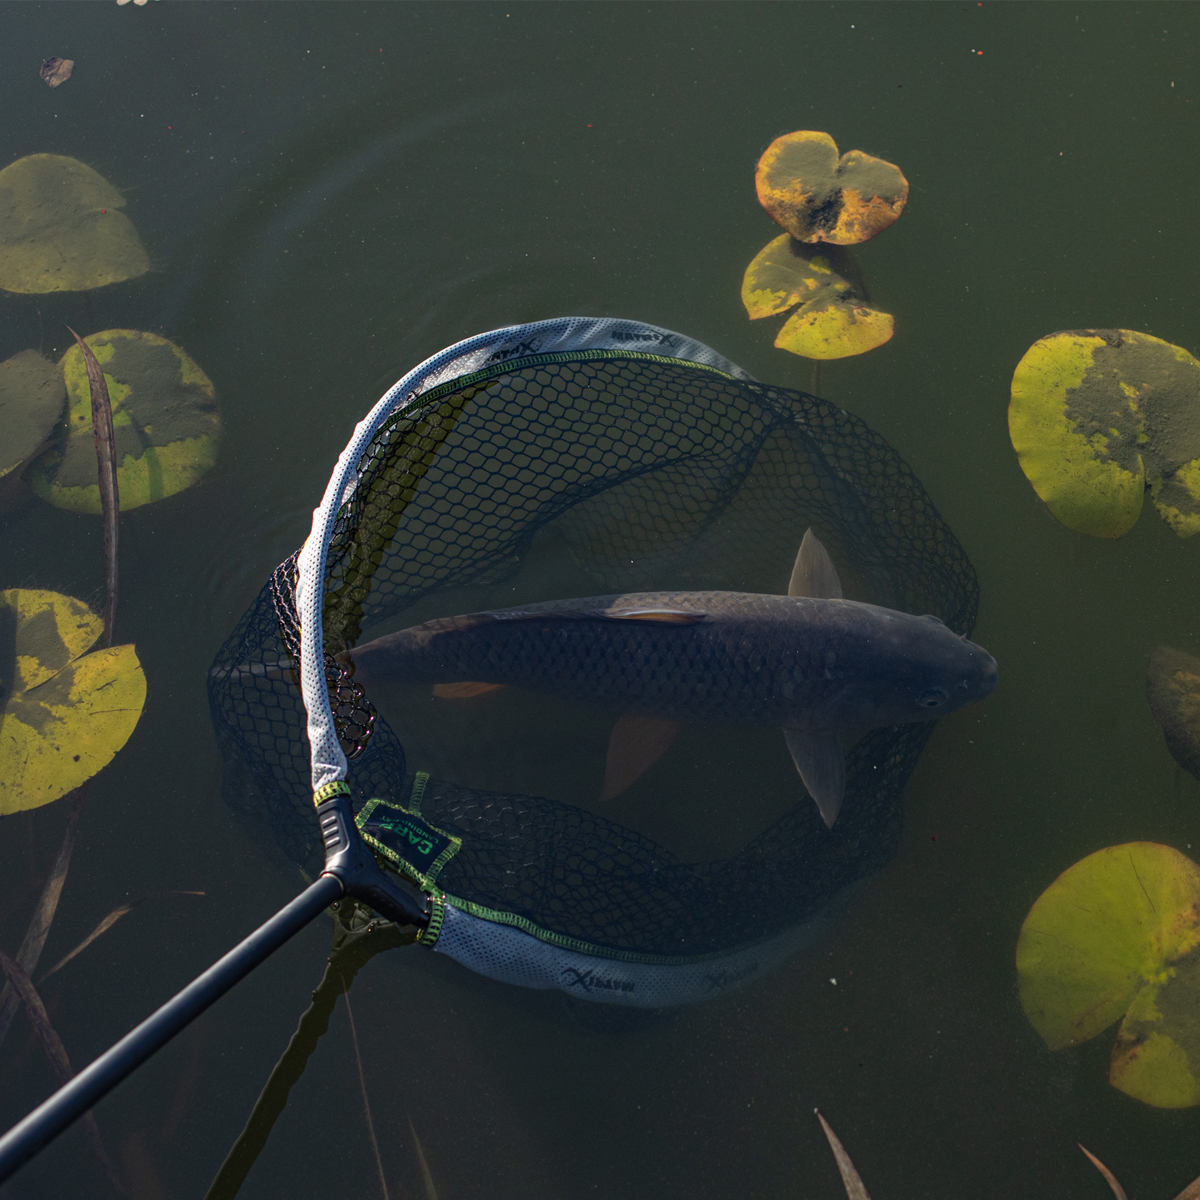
701 657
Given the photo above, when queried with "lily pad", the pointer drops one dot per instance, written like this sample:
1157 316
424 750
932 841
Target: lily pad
1097 416
833 320
1173 689
65 713
818 197
165 422
31 402
61 228
1118 934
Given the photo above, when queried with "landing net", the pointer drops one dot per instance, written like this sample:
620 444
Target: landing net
649 462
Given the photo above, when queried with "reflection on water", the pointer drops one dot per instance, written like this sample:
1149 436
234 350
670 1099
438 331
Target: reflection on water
328 194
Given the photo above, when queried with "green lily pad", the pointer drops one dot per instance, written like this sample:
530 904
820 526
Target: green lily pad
818 197
1173 689
1118 935
61 228
833 320
65 713
165 423
1097 417
31 402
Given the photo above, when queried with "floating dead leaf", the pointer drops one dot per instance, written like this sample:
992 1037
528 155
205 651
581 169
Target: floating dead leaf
851 1180
66 713
165 422
1173 689
31 402
1117 1189
57 70
1097 416
818 197
834 319
61 229
108 922
55 1051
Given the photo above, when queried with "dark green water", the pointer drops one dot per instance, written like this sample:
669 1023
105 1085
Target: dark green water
329 194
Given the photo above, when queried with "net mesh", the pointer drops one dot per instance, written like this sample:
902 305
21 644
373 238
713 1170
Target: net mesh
642 472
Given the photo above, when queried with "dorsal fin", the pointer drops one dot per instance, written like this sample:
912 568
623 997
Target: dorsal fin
672 616
814 574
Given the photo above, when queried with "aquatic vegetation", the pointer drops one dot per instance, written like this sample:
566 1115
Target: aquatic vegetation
833 320
851 1180
1173 689
1118 936
1191 1192
165 422
61 228
818 197
31 402
1097 416
66 712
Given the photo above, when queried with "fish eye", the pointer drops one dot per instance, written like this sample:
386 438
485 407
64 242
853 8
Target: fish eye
932 697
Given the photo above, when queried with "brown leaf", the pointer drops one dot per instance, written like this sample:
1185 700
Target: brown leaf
108 922
57 70
850 1177
56 1052
106 460
1118 1190
39 925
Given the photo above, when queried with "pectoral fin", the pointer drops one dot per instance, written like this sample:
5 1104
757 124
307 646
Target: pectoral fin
463 691
822 766
814 574
671 616
636 744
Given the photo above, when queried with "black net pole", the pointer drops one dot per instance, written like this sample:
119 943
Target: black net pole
73 1099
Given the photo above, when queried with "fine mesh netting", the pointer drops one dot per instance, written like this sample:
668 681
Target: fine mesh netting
634 471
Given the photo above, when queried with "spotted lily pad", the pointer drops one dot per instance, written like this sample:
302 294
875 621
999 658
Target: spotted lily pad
31 402
818 197
1173 689
833 320
1118 935
165 423
1097 416
65 713
61 228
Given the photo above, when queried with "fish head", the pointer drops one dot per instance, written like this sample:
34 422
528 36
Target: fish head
916 669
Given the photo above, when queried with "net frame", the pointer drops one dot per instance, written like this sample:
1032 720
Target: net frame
558 335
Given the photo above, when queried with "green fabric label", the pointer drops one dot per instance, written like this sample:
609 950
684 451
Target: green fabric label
405 838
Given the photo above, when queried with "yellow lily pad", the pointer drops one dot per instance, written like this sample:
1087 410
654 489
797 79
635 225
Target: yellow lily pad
61 228
1104 929
165 423
31 402
1173 690
818 197
833 320
65 713
1099 415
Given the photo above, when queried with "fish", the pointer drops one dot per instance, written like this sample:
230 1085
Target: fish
810 663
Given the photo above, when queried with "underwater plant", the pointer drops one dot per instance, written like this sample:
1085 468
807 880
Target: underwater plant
1097 417
61 228
1117 937
165 422
818 197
